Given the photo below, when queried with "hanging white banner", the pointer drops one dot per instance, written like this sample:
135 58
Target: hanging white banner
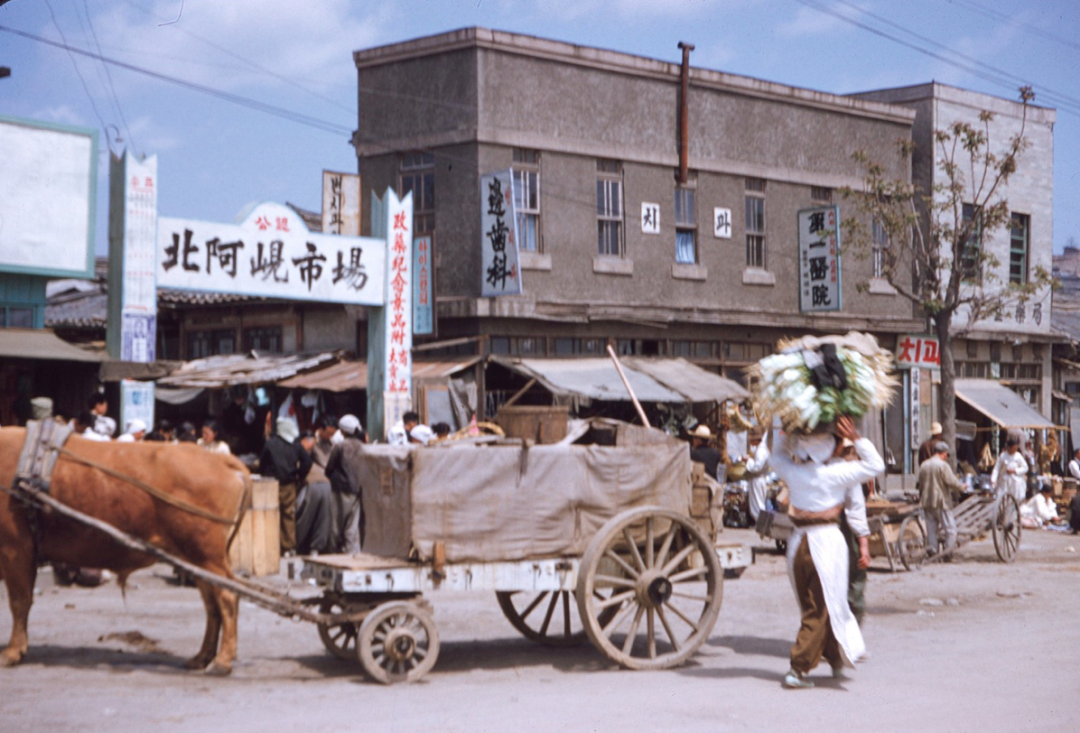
498 230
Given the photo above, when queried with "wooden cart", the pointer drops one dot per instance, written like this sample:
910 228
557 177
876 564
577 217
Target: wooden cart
975 517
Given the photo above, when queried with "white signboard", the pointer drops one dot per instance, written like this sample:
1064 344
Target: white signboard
271 254
48 186
721 223
341 203
915 406
918 352
498 227
132 254
650 218
819 259
397 351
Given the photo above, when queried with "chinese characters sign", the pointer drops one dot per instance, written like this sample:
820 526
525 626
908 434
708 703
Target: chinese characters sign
271 254
819 259
397 347
423 287
650 218
341 203
721 223
921 352
132 331
498 230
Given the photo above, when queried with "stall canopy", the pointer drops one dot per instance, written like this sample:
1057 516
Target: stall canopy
346 375
999 403
40 343
218 372
653 380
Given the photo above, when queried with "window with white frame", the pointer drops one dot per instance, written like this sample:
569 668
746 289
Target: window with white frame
527 198
609 208
685 227
755 223
418 176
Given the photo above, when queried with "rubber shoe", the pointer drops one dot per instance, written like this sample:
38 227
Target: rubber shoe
795 681
838 673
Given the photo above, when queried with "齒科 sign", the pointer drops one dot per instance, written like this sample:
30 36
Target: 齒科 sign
918 352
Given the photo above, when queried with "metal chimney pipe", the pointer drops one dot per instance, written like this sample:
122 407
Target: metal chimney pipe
684 125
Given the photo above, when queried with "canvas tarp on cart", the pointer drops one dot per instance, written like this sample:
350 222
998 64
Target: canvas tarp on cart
508 502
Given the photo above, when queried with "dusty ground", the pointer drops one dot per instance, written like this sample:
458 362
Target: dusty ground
971 646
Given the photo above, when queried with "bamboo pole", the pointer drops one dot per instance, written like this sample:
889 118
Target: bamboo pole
626 383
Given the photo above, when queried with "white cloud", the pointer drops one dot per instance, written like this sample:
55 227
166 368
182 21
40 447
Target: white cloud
62 114
240 45
810 22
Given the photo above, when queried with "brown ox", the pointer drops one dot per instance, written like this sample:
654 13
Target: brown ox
215 484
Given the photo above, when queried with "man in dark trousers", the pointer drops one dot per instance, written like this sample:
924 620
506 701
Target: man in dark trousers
342 468
284 459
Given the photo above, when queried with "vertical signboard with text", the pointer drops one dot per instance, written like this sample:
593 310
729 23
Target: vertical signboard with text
423 288
498 230
819 259
341 203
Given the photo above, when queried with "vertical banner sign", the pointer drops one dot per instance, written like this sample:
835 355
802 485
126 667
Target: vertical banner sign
819 259
916 408
341 203
498 227
132 259
423 290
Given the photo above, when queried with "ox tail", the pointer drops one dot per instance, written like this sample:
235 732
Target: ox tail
242 508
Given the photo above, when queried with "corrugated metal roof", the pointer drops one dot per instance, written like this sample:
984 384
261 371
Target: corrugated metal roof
39 343
216 372
346 375
1000 404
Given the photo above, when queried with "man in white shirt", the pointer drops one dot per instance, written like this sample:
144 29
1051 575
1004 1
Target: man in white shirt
822 485
134 432
1074 465
757 466
1010 471
1040 511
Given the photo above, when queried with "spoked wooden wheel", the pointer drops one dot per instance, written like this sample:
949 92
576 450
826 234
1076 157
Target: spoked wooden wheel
549 617
398 642
339 640
665 588
1007 529
911 543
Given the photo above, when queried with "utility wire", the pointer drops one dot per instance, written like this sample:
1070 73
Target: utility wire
281 112
108 76
973 70
996 15
1055 96
78 72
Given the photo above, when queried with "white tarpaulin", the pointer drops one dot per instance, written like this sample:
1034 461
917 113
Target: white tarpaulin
652 379
1000 404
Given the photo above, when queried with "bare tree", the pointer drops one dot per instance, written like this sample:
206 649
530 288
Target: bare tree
928 244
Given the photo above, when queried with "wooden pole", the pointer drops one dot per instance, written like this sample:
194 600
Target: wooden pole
626 383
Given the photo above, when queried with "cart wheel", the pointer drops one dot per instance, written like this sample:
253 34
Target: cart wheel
911 543
660 569
398 643
1007 529
339 640
554 616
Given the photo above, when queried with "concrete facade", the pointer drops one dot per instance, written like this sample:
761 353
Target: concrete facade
1017 348
471 97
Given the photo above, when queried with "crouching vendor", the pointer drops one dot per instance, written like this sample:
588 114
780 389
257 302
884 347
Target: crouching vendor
822 485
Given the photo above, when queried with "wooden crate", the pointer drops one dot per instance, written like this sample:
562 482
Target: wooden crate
257 546
540 424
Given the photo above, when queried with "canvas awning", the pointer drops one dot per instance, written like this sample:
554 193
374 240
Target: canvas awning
218 372
653 380
41 343
999 403
346 375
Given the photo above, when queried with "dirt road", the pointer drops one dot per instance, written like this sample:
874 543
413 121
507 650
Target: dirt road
971 646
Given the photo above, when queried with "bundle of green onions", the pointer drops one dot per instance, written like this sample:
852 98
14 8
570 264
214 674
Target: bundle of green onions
784 384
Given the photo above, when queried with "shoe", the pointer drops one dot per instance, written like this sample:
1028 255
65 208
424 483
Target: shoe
838 673
795 681
864 657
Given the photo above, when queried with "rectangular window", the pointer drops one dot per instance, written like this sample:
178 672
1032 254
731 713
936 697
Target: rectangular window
878 251
526 172
1019 235
609 209
755 223
201 344
265 340
970 251
418 176
685 227
821 194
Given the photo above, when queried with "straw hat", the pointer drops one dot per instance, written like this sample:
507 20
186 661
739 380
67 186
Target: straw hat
702 431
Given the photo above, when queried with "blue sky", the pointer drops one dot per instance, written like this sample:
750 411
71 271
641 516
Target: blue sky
216 157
